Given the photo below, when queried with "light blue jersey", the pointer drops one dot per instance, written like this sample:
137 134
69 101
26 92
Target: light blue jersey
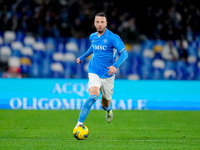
104 49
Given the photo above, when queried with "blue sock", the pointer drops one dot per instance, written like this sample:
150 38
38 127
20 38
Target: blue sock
108 108
86 108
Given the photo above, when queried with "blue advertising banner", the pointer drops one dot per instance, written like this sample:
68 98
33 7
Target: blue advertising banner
72 93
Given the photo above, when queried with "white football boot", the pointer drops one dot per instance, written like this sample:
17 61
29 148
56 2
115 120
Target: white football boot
78 124
109 116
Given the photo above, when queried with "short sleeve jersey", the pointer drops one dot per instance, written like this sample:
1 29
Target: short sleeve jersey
105 49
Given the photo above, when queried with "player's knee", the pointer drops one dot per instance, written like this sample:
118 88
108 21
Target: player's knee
97 95
94 91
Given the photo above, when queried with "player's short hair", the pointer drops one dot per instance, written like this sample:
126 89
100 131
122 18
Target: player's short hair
101 14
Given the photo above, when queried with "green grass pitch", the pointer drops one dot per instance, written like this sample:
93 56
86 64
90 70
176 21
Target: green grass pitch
130 129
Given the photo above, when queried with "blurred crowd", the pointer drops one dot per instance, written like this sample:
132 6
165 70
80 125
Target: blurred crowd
159 35
167 19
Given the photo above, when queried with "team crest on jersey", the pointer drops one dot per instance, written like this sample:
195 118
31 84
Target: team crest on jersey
105 41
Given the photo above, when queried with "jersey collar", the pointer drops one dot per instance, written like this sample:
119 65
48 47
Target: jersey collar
105 33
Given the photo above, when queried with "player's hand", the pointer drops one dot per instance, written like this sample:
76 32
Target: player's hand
78 61
112 70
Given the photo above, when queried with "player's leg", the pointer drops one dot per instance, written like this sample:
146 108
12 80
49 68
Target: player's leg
107 91
94 94
107 106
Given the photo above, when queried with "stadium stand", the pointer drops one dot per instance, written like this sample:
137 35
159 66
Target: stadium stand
48 35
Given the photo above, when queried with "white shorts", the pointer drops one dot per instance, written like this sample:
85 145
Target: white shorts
106 85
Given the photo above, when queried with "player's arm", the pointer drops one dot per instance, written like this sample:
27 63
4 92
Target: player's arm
119 45
84 56
122 57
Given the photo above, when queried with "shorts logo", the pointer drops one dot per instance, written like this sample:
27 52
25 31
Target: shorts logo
112 90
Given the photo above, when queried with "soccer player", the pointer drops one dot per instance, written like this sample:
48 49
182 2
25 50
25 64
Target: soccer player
102 67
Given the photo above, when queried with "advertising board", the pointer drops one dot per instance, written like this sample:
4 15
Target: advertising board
72 93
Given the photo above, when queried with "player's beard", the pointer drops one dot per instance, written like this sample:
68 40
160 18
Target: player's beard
101 31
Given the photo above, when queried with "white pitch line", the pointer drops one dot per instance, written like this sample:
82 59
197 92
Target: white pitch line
69 140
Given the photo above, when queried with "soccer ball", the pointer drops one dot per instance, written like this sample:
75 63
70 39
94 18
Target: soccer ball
81 132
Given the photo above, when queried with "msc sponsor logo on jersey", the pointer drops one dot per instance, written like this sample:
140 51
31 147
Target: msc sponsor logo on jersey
99 47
